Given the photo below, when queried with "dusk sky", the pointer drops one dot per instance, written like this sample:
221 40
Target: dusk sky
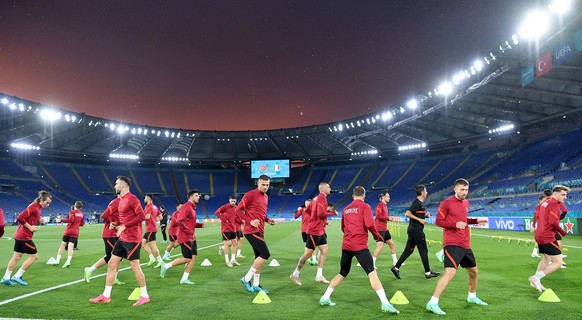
241 65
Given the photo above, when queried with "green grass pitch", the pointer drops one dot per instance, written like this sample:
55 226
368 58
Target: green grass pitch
218 294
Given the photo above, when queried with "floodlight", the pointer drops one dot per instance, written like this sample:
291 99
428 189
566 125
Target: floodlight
4 101
412 104
536 24
560 6
445 88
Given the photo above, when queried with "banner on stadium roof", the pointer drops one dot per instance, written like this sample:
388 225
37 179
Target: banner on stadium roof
578 40
527 75
543 64
562 53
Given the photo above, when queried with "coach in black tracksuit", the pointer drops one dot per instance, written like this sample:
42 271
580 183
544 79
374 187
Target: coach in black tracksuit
416 238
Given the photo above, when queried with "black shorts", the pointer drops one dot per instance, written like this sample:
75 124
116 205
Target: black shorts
67 239
551 249
228 235
189 249
558 236
109 244
364 257
257 241
27 247
385 235
455 256
239 234
127 250
315 241
304 236
173 237
150 236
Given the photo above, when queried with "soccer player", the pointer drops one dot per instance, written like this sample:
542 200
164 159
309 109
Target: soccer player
128 246
2 222
173 233
381 222
23 243
253 210
416 238
356 221
164 222
304 213
238 226
187 225
227 216
316 236
109 235
534 222
71 234
548 226
453 217
152 216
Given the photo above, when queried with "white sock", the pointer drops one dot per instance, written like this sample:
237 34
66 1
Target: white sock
313 257
7 275
92 268
185 276
382 295
159 258
151 256
19 273
144 292
472 295
256 279
374 258
233 257
319 272
169 265
296 272
250 274
226 258
394 258
238 252
535 251
328 293
69 258
539 275
107 291
58 259
433 300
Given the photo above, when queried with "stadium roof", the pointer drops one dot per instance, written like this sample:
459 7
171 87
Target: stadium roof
509 92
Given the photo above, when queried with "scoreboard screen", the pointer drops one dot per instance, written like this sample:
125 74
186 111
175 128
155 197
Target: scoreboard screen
272 168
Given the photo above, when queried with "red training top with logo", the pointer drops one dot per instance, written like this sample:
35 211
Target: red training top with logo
111 215
319 214
173 230
381 220
75 221
152 222
227 216
451 211
305 215
357 220
536 217
549 222
131 216
187 222
31 215
253 206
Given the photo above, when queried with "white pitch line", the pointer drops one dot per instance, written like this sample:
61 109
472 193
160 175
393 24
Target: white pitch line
488 236
77 281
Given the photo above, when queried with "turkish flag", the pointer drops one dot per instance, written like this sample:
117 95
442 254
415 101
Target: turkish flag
543 65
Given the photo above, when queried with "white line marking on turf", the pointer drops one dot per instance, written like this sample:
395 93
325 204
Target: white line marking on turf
488 236
77 281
